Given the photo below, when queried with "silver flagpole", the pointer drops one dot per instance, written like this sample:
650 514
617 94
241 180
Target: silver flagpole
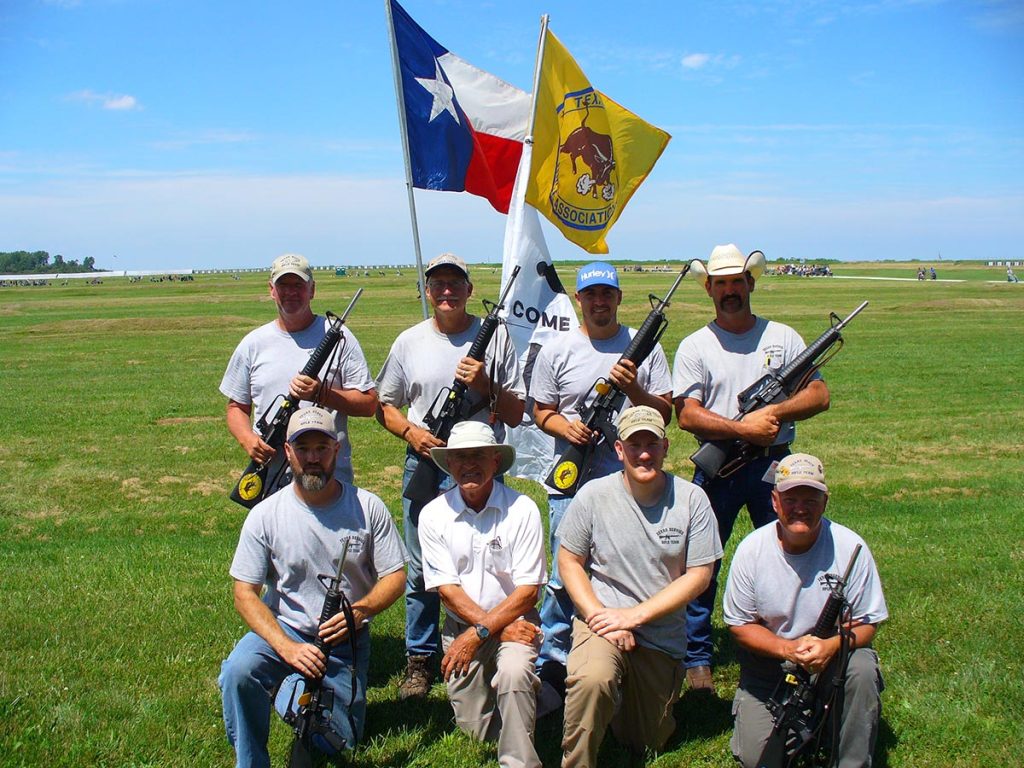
400 100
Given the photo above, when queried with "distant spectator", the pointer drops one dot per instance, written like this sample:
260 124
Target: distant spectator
1010 277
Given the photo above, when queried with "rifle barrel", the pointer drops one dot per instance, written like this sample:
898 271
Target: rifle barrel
351 304
857 311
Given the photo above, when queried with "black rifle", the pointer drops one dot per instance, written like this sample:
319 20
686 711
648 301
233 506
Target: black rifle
253 487
802 702
455 406
313 717
573 467
720 458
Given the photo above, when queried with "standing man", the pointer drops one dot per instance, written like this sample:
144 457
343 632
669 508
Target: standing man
712 366
636 547
562 387
778 584
266 363
483 552
287 540
422 362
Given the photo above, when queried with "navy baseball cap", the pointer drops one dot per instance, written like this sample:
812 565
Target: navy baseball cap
597 273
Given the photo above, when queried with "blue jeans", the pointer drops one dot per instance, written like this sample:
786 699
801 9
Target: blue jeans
557 610
422 608
727 496
253 670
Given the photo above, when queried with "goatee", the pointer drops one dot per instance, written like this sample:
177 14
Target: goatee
314 481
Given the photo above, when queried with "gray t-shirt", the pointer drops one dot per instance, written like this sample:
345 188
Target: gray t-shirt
285 544
786 593
268 358
633 553
564 375
713 365
422 362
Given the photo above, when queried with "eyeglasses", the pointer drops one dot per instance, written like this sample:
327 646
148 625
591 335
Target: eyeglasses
440 285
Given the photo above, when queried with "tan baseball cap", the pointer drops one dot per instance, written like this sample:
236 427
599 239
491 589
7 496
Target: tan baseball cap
447 260
290 264
309 420
800 469
640 417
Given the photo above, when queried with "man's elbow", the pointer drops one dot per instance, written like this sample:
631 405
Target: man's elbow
514 415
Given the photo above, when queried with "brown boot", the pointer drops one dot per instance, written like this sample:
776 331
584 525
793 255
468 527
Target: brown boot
700 679
419 674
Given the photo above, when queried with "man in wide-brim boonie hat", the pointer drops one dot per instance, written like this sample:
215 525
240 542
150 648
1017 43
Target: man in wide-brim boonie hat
473 434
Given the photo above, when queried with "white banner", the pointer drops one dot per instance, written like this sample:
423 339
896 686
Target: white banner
536 312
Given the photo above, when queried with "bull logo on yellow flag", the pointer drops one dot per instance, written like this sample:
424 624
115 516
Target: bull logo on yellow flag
584 184
590 154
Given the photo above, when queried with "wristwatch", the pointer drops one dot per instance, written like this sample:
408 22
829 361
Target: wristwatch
482 632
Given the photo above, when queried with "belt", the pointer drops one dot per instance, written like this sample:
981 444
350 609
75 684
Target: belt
771 451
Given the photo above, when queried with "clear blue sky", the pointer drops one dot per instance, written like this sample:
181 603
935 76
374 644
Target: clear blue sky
198 134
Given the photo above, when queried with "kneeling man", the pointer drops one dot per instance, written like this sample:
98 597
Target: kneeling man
649 542
286 542
778 584
483 551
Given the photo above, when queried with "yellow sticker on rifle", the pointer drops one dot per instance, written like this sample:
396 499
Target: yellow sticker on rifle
565 475
249 486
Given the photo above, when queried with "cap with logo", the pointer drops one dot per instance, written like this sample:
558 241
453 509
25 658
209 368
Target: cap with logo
290 264
447 260
597 273
641 418
312 419
800 469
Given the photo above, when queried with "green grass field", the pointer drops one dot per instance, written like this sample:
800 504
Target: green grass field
115 466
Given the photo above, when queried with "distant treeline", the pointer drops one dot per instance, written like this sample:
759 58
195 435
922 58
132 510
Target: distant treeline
38 262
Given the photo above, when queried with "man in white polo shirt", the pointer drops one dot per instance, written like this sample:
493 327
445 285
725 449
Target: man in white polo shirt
483 551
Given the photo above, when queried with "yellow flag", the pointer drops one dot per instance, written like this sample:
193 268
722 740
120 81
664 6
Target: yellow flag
589 153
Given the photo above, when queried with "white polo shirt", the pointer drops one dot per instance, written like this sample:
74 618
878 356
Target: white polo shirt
488 553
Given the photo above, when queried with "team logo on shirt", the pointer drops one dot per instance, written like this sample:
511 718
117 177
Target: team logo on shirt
772 356
249 486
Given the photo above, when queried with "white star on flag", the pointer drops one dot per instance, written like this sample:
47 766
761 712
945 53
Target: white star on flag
442 93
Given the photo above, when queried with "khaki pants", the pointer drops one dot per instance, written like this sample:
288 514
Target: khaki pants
632 691
497 698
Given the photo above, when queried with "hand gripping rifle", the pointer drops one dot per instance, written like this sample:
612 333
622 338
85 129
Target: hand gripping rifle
720 458
253 486
802 702
455 405
313 716
573 467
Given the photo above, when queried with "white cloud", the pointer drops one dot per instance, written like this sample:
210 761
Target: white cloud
696 60
112 101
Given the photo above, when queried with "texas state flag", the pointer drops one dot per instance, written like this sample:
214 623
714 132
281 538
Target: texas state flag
465 126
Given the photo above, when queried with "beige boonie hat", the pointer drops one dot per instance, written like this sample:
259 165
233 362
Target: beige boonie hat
473 434
640 418
290 264
447 260
728 260
309 420
800 469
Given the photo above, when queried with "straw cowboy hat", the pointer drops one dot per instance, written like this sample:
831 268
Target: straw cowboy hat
473 434
728 260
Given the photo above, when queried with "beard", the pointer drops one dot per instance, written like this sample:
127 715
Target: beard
314 481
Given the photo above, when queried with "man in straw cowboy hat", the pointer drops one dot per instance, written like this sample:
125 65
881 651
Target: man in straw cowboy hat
635 547
483 551
712 366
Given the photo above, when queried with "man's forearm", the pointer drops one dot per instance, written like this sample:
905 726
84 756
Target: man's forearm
351 402
577 583
382 595
258 616
520 602
676 595
239 421
809 401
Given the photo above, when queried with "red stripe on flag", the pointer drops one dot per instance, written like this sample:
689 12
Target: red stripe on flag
492 169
